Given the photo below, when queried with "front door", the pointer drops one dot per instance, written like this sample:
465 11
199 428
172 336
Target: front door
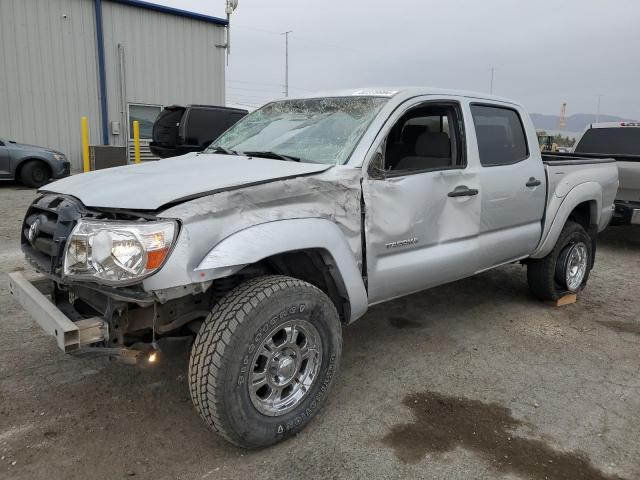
5 161
422 204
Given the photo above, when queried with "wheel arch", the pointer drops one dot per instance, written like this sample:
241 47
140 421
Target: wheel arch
313 250
583 205
23 161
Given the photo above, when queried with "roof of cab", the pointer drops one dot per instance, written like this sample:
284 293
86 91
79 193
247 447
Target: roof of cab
622 124
404 92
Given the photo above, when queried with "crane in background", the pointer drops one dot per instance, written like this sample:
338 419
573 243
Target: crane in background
546 141
562 122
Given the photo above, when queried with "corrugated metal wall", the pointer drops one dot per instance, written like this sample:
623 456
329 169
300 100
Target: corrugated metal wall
48 76
168 60
48 68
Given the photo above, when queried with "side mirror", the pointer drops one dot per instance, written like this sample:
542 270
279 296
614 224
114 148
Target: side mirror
376 167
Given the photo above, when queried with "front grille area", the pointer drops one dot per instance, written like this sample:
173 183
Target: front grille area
46 227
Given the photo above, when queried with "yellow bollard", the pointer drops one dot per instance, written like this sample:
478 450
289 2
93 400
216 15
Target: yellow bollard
86 165
136 140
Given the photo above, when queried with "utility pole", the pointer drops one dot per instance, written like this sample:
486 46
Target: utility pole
286 62
229 9
491 84
598 107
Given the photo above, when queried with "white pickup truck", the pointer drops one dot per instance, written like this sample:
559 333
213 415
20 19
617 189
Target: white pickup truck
620 141
290 225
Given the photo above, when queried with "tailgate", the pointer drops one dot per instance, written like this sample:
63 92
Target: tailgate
629 173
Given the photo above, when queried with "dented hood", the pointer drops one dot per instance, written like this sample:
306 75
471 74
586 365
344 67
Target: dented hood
151 185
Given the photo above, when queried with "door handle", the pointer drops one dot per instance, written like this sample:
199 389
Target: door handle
463 191
533 182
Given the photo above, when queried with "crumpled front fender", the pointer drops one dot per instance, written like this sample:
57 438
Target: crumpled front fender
255 243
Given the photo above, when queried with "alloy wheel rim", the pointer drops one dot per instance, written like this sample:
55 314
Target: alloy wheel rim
575 266
285 367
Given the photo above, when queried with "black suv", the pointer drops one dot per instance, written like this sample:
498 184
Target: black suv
179 130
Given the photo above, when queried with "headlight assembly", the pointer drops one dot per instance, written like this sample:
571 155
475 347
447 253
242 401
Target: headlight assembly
59 157
117 252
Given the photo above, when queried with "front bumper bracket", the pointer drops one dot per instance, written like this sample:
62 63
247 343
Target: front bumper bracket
70 336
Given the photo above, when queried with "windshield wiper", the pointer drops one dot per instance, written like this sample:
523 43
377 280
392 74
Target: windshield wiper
275 155
224 151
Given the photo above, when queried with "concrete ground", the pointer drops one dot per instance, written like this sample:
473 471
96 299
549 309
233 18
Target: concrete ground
470 380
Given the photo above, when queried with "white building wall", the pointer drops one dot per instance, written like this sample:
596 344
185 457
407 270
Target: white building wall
49 73
168 60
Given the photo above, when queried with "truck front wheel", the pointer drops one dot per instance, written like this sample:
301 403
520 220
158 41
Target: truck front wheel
566 269
265 360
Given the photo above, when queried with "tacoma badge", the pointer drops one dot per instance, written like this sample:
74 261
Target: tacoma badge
402 243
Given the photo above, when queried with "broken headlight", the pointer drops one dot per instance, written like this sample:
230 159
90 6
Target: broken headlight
117 252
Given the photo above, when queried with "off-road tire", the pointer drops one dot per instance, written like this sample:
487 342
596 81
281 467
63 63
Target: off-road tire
34 174
541 273
221 357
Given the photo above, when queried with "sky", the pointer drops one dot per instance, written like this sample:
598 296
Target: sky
544 52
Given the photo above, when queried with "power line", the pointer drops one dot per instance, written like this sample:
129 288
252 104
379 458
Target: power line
257 94
269 84
252 89
254 99
324 44
243 104
254 83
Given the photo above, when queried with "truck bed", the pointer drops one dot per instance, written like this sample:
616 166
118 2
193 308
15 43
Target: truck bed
628 169
568 171
558 158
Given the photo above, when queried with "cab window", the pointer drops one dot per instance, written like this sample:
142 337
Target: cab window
500 134
425 138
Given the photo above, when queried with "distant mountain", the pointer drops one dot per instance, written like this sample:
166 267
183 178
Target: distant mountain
575 123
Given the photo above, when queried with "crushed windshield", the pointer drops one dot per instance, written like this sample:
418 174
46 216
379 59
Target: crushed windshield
317 130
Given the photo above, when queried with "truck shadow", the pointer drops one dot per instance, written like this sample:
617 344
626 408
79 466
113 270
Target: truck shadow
443 423
623 237
502 286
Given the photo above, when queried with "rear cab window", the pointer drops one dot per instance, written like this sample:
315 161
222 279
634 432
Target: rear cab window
500 133
611 140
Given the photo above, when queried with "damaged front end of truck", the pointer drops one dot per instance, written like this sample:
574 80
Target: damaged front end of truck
118 282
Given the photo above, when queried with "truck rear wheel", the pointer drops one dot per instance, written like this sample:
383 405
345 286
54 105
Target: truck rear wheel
265 360
566 269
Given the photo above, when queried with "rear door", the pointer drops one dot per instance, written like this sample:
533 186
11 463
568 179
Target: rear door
513 183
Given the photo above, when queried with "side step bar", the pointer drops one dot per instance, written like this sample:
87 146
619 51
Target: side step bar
70 336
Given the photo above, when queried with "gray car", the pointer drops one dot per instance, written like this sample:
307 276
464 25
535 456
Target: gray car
31 165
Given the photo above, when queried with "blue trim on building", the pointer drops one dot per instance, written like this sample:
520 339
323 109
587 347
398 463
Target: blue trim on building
172 11
102 74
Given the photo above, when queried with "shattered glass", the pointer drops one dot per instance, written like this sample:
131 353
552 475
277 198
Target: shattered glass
316 130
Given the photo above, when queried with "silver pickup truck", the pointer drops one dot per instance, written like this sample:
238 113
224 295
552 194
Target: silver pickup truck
290 225
620 141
